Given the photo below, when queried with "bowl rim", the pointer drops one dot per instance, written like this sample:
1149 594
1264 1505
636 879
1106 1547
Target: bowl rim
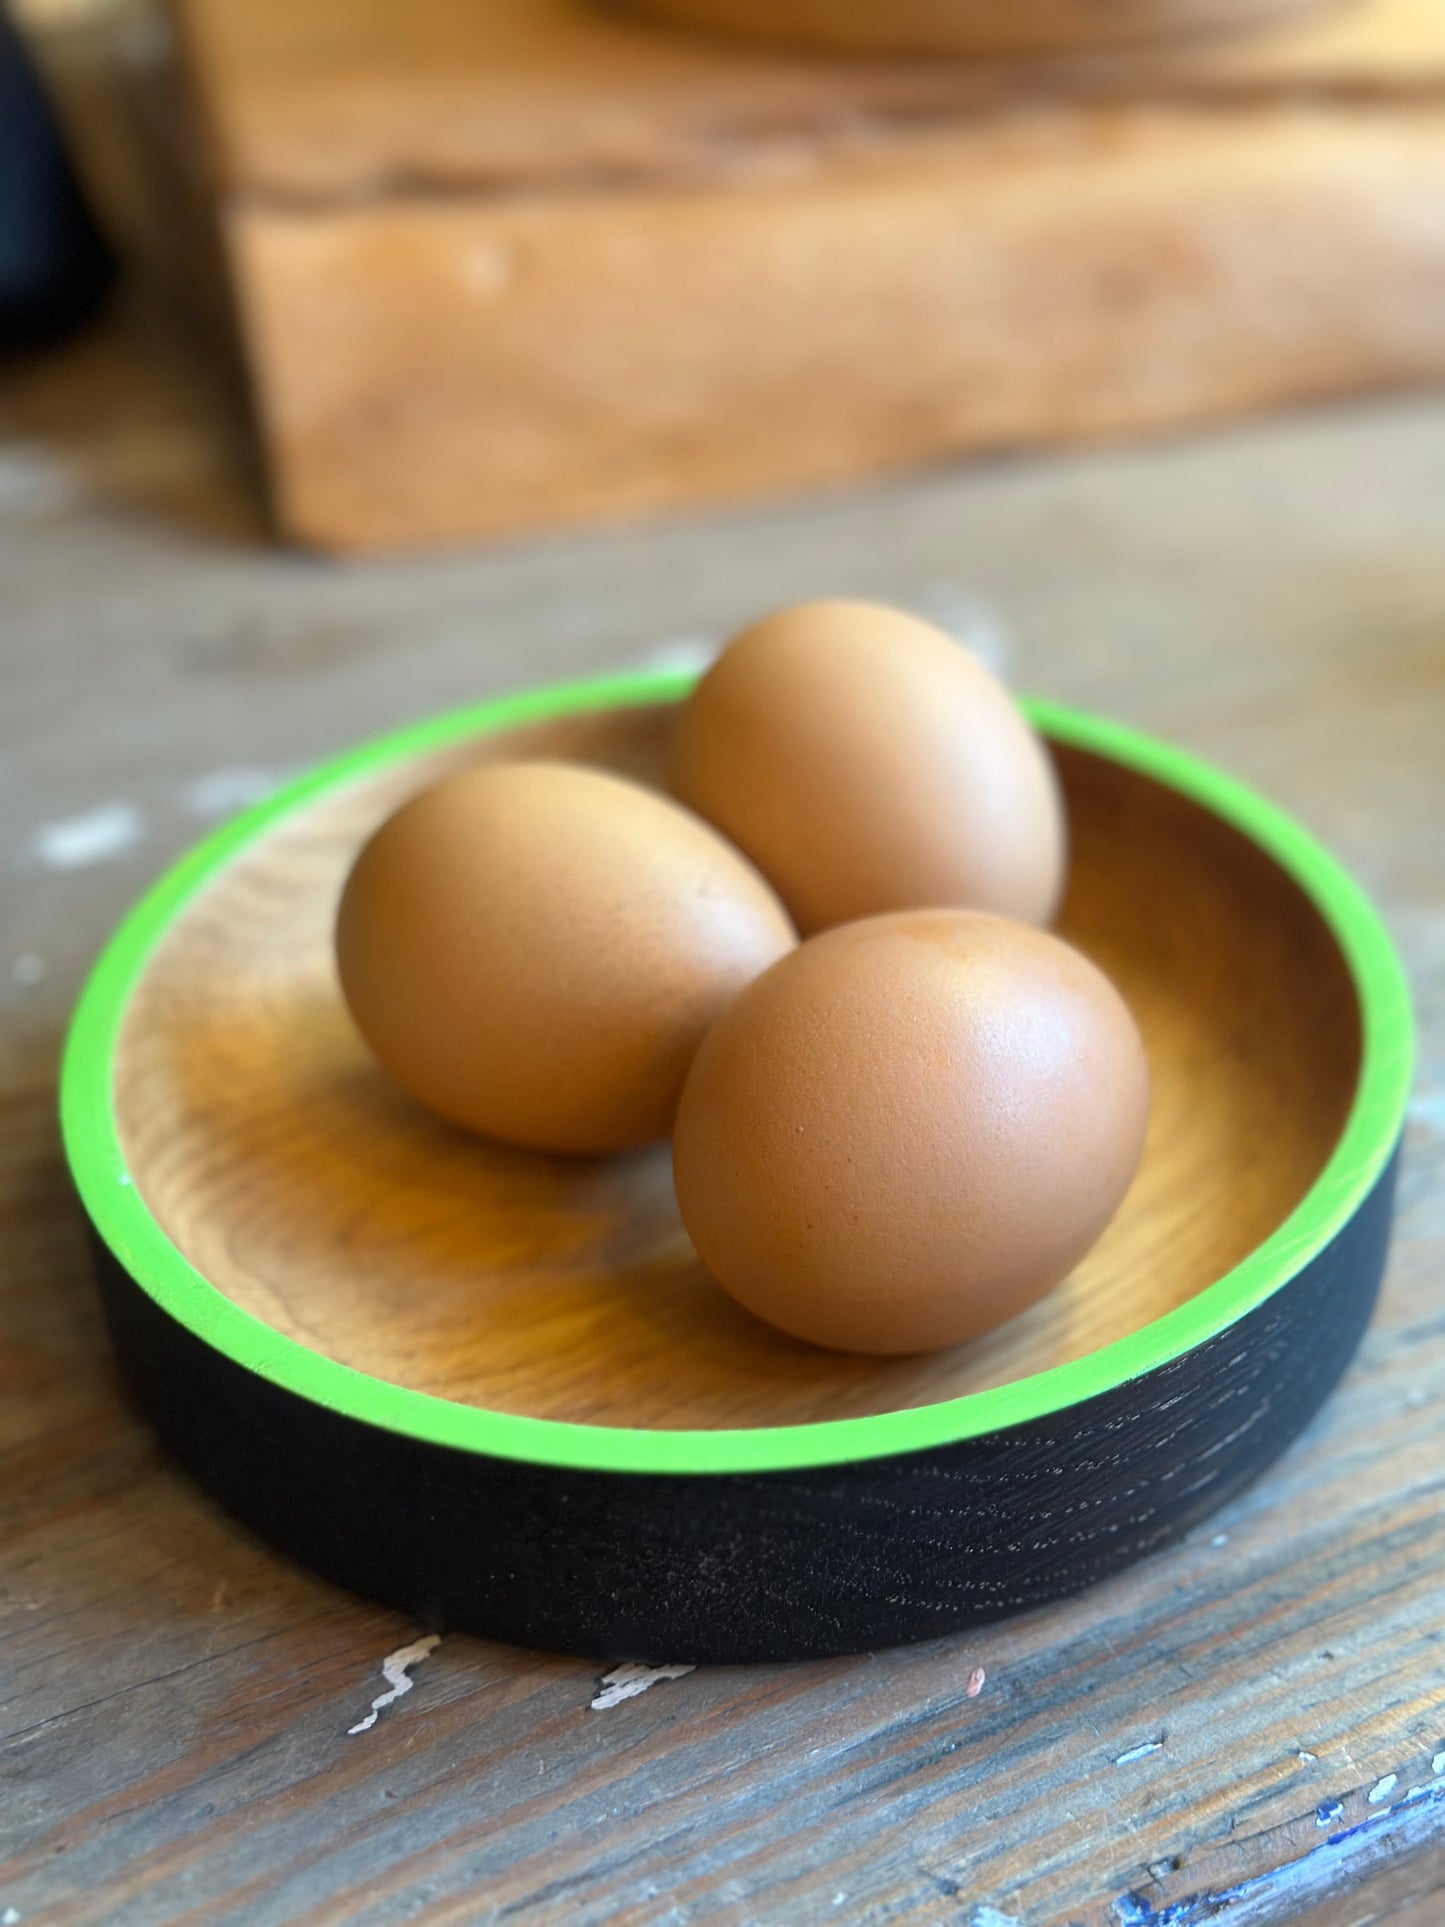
121 1218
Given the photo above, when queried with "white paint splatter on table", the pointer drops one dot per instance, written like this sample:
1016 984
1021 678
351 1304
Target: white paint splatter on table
95 836
626 1682
394 1670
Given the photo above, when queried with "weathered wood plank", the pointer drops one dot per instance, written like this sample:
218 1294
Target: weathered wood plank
176 1700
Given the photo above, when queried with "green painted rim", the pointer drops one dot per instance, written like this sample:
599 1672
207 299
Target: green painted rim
123 1220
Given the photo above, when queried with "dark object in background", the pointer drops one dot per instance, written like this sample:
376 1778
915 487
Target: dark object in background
54 262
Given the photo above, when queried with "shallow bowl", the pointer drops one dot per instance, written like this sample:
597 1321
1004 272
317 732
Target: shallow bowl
499 1391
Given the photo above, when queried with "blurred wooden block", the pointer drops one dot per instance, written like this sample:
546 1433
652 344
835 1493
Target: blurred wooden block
504 264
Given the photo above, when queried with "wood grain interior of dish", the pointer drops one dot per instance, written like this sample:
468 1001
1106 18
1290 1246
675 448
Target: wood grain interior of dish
296 1179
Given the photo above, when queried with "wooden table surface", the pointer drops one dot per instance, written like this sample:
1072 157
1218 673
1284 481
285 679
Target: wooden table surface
1249 1728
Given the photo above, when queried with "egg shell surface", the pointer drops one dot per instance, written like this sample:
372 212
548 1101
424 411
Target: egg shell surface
866 762
535 951
910 1128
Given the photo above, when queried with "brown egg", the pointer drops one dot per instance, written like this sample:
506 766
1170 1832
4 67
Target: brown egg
536 950
909 1129
866 762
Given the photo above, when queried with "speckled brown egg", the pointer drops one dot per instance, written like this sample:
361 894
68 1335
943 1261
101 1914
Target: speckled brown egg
866 762
910 1128
536 950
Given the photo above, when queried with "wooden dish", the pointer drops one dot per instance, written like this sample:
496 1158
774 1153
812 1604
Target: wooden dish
498 1390
969 27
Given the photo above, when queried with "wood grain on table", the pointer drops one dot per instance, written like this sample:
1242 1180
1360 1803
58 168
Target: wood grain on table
1250 1728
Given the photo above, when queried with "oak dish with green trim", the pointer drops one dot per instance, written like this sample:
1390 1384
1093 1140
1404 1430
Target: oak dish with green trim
765 1541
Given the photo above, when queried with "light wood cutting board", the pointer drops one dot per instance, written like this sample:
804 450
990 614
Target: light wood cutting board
504 264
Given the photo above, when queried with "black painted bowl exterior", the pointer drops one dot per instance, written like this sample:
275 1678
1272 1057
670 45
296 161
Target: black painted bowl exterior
795 1564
